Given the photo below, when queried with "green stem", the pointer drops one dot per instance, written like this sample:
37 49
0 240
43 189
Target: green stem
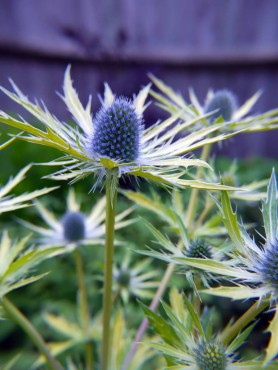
195 192
31 331
84 311
111 198
231 332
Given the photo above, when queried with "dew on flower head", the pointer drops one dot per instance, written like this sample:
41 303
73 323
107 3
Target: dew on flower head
117 131
224 102
210 356
74 226
268 267
199 249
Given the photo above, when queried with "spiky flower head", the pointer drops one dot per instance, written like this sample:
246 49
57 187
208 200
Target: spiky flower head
210 356
114 141
224 103
268 267
123 278
135 279
199 249
118 130
74 227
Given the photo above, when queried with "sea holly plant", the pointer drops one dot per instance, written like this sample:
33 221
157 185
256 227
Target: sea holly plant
112 144
189 341
115 140
18 261
223 106
251 267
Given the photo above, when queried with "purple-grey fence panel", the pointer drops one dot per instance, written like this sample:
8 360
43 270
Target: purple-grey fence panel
200 43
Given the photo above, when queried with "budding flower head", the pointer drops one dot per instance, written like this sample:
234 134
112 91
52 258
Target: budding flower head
74 226
117 132
268 266
123 278
210 356
199 249
224 102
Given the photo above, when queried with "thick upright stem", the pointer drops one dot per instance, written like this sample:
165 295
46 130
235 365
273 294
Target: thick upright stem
84 311
31 331
111 198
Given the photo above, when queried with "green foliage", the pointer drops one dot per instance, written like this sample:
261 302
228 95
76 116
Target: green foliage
199 248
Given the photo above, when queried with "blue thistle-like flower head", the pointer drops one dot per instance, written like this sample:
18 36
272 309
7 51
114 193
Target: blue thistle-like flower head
268 267
210 356
224 102
117 131
74 226
199 249
123 278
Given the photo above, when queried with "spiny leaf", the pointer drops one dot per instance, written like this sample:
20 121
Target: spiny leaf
272 348
269 209
230 220
161 327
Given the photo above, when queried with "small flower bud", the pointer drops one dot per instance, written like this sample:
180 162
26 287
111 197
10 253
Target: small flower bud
224 102
74 226
123 278
199 249
210 356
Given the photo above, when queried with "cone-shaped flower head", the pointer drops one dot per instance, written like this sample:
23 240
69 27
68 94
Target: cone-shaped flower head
123 278
113 139
224 102
135 279
117 131
268 267
199 249
210 356
74 227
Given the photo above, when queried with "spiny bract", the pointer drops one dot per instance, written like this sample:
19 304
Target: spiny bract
117 132
199 249
74 226
224 102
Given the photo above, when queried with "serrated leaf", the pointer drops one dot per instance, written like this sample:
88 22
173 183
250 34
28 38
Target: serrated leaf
230 221
240 338
194 316
161 327
235 292
164 241
269 209
272 348
212 266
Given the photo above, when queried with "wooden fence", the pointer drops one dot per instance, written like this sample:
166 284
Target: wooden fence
197 43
